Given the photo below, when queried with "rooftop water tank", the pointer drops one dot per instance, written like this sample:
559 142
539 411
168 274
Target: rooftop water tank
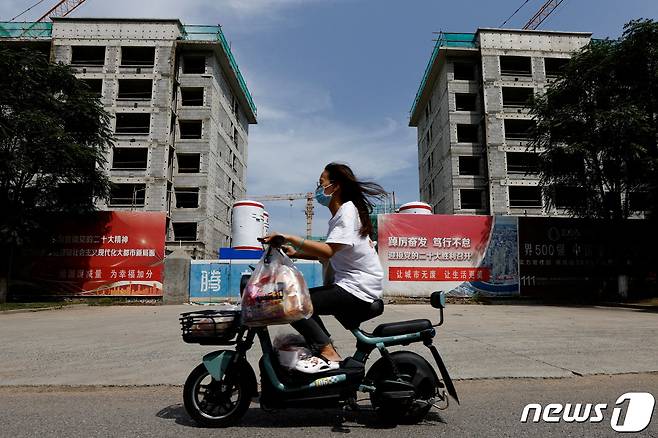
416 207
247 224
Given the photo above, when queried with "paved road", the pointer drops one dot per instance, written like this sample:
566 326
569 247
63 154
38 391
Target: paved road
142 345
489 408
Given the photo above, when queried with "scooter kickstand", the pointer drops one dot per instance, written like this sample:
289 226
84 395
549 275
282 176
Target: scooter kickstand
349 408
339 419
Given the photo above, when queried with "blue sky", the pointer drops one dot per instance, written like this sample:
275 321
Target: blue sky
335 79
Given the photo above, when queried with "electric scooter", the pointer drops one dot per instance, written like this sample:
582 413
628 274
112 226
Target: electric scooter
402 385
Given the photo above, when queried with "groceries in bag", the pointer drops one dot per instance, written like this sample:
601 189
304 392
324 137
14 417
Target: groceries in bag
276 292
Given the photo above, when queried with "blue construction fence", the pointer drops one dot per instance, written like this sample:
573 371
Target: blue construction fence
213 281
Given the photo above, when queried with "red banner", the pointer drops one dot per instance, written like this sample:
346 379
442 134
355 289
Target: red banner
402 273
112 253
423 253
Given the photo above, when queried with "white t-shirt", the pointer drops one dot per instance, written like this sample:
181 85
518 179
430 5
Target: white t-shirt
356 265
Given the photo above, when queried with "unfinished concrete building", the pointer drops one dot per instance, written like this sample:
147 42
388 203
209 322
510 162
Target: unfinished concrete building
180 113
472 116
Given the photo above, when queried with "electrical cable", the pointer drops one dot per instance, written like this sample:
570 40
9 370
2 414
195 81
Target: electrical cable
517 10
31 7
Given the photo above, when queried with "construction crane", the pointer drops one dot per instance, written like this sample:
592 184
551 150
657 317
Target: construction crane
61 9
542 14
309 196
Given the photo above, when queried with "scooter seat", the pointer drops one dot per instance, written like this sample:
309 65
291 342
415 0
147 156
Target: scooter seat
402 327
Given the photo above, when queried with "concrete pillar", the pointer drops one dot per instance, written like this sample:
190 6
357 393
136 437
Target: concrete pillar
622 286
176 286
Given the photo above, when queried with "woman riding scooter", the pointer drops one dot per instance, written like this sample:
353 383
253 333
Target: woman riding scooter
358 274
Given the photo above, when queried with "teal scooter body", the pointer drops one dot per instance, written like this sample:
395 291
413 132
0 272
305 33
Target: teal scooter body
402 385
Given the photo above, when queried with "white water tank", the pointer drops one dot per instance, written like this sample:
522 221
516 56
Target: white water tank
415 208
266 223
247 224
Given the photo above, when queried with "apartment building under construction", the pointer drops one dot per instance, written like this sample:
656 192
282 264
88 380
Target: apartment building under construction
180 112
472 116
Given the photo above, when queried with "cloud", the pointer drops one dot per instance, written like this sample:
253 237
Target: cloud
290 156
298 133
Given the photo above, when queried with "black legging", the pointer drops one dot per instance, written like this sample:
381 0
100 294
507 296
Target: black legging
330 300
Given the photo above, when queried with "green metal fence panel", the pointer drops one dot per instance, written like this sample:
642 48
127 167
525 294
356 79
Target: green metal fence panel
445 39
25 30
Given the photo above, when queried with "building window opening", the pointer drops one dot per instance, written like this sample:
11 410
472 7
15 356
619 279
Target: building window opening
189 163
522 162
190 129
525 196
74 194
234 105
133 56
465 102
194 64
469 165
517 97
467 134
185 231
187 197
519 129
128 195
516 65
129 158
94 86
555 66
471 199
135 89
464 71
88 55
192 96
133 123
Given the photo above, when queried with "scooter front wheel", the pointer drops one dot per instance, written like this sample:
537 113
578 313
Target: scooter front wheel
217 403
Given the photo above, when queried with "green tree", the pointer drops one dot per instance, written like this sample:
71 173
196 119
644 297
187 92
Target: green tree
596 128
53 137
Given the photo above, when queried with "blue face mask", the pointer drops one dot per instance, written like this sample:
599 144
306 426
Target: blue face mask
321 197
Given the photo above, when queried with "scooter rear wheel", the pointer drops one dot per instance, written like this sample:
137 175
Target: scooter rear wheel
413 369
214 403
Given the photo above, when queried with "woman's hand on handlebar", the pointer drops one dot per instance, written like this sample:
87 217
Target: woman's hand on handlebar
274 239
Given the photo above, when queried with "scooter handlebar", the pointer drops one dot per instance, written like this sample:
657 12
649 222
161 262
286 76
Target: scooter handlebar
275 241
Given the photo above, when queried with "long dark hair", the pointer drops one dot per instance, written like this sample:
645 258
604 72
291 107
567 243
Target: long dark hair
359 192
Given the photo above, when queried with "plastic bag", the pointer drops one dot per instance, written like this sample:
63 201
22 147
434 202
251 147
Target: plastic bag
290 348
276 292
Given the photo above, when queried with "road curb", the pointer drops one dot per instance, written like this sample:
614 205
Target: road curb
41 309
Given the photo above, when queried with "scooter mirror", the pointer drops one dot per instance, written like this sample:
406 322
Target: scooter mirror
438 299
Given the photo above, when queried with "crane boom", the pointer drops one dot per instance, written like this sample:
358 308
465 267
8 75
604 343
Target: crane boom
542 14
292 197
61 9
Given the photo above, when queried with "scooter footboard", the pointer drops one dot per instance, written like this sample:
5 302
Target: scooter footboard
444 372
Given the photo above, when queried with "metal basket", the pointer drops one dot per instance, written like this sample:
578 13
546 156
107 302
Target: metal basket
210 327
